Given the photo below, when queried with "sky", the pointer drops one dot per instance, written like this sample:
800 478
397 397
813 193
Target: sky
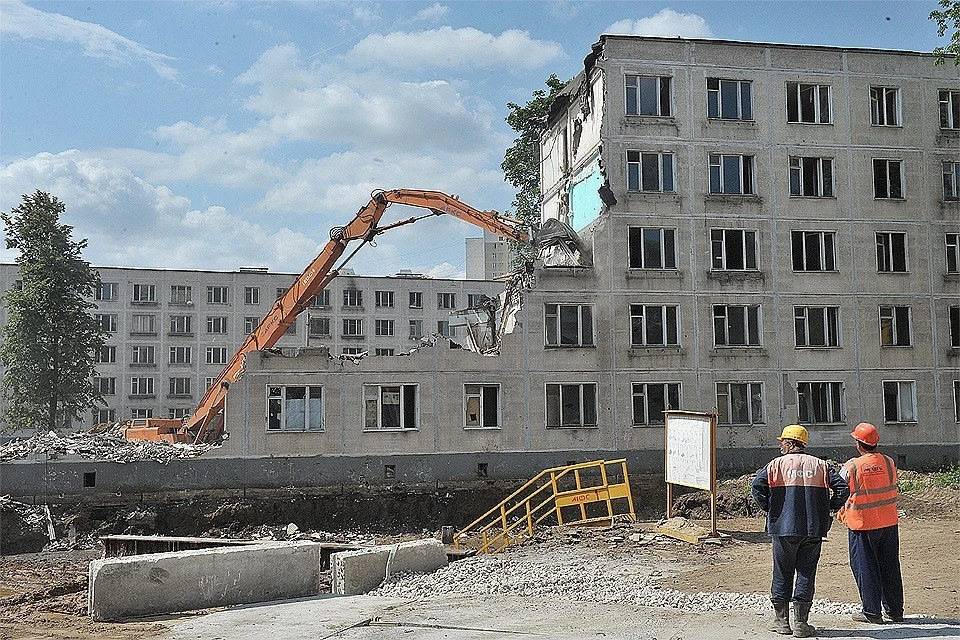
220 134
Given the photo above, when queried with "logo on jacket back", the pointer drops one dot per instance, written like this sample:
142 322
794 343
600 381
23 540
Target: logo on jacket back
799 473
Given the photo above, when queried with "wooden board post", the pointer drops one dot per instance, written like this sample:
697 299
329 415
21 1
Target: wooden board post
690 452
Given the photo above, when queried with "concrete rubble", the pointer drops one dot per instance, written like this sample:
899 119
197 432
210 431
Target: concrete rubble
108 445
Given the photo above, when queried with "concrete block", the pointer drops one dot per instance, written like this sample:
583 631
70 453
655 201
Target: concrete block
159 583
357 572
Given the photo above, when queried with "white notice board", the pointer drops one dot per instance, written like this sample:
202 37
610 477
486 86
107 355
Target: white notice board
690 449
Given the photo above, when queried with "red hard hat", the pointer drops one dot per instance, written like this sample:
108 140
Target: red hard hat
866 433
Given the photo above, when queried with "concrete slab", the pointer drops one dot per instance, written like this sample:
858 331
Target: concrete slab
357 572
136 586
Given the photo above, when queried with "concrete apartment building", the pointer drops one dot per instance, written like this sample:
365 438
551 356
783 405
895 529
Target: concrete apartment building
488 257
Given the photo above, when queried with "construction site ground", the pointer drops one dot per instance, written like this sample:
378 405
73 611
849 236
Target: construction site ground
43 595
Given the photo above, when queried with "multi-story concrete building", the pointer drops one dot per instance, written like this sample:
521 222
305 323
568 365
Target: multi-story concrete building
171 331
487 258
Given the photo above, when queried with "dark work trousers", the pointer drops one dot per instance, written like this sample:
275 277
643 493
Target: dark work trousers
794 555
875 560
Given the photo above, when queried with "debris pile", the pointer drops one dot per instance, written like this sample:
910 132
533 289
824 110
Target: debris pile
23 528
109 445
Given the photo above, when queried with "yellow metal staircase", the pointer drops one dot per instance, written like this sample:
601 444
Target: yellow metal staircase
584 493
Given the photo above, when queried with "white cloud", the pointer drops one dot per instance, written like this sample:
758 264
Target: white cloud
666 22
96 40
446 47
433 13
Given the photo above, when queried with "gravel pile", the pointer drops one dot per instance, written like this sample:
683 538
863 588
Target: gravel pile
109 446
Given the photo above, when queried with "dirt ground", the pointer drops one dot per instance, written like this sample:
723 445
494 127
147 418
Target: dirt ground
43 595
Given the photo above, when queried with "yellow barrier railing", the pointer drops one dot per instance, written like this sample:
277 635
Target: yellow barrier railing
585 489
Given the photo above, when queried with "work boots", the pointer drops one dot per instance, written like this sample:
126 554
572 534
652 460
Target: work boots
781 621
801 610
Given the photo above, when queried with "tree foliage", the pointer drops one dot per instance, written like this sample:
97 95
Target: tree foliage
947 19
521 162
50 339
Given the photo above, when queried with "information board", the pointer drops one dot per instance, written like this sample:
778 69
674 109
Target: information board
690 449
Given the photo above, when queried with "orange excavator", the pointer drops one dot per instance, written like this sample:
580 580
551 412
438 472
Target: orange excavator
205 425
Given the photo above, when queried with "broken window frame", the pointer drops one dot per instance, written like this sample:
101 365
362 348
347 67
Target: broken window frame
645 319
406 401
650 172
733 250
949 103
294 408
570 405
143 354
647 95
892 256
319 326
383 299
181 294
107 291
896 326
951 180
899 401
816 327
477 400
181 354
737 326
809 103
106 321
179 387
144 293
218 294
653 248
952 245
557 320
416 329
732 174
814 250
142 386
820 402
444 329
811 177
740 403
729 99
415 300
651 399
216 355
383 327
885 107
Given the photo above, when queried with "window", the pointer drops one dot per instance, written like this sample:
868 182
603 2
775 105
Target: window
294 408
731 174
141 414
476 300
887 179
251 295
895 327
650 400
885 106
382 351
739 403
352 298
899 401
105 386
891 252
650 171
808 103
816 326
390 406
217 295
814 250
208 382
104 415
353 351
444 329
141 386
179 386
416 329
446 301
142 354
481 406
955 327
319 327
729 99
384 299
216 355
216 324
106 321
180 413
568 325
951 180
352 327
956 400
280 292
106 354
181 355
320 300
736 325
820 402
416 300
181 325
953 252
250 324
144 324
648 95
949 109
652 248
383 327
733 250
571 405
654 325
107 291
144 293
811 177
181 294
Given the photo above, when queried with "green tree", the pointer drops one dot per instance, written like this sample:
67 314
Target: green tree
521 162
948 18
50 338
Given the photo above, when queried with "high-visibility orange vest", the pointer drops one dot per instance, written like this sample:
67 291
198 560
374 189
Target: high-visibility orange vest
873 493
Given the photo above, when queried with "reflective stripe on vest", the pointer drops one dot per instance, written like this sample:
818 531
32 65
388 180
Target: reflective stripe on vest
873 493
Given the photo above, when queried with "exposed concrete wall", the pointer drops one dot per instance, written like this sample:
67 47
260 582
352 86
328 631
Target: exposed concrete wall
159 583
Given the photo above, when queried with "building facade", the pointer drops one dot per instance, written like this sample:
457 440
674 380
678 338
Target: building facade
487 258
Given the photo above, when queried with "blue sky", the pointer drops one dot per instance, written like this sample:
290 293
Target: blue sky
210 135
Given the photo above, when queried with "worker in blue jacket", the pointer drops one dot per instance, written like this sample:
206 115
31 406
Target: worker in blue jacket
797 491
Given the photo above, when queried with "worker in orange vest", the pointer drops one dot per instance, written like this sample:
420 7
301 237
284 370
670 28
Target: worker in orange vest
870 514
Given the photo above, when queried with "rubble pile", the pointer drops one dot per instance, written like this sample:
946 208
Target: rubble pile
109 445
